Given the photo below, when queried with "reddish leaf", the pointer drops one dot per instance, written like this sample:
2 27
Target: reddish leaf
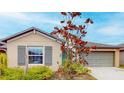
75 14
69 22
65 34
64 13
81 27
62 21
53 33
83 32
59 31
93 47
56 28
62 47
89 21
65 28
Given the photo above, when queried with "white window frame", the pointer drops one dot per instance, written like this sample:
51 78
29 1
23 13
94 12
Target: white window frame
36 55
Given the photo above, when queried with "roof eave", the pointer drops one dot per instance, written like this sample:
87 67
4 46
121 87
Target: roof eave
26 31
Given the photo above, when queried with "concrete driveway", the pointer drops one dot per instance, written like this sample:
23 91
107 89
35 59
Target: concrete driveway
107 73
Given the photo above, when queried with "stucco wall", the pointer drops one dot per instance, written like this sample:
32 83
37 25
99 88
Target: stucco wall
32 39
122 57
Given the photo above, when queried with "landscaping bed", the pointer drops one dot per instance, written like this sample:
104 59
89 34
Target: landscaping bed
66 71
79 77
84 77
40 73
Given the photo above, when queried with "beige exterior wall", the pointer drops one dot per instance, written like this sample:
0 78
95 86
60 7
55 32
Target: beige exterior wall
121 57
32 39
117 58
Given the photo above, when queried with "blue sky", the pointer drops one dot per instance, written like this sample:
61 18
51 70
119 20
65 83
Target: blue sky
108 27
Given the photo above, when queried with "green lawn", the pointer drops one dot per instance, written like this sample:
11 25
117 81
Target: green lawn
121 66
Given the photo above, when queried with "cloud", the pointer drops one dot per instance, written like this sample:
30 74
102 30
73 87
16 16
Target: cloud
29 18
15 15
111 30
113 26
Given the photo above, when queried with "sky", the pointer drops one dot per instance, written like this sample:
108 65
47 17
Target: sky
108 27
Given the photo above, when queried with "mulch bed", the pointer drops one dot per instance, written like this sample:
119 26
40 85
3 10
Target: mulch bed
85 76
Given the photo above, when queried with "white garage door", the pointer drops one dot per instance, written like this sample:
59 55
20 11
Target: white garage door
100 59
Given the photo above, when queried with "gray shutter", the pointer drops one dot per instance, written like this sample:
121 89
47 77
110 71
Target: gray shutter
21 55
48 55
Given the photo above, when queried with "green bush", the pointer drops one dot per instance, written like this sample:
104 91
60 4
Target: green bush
79 69
68 70
3 59
38 73
12 74
74 68
34 73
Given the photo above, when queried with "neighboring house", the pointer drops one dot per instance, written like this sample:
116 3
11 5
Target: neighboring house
104 55
2 47
36 47
121 54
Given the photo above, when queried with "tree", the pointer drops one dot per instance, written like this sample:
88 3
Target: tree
73 35
3 61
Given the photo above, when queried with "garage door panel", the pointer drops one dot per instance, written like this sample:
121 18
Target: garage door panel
100 59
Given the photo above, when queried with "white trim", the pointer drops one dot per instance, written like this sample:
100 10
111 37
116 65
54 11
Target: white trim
34 31
26 59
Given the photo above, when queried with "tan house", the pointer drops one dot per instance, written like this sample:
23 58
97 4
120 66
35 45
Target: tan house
35 47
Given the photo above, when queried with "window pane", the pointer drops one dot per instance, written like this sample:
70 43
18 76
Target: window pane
35 51
35 59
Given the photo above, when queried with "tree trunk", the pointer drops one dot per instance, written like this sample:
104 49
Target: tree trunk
0 72
26 69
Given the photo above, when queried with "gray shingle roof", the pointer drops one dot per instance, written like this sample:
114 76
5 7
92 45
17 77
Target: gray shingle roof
99 45
120 45
29 30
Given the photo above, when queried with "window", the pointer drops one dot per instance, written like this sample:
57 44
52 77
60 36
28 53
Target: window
35 55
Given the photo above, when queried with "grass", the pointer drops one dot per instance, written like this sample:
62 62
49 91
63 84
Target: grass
122 66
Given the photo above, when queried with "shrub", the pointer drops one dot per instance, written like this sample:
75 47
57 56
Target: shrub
69 69
75 68
38 73
3 59
78 68
3 62
34 73
12 73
